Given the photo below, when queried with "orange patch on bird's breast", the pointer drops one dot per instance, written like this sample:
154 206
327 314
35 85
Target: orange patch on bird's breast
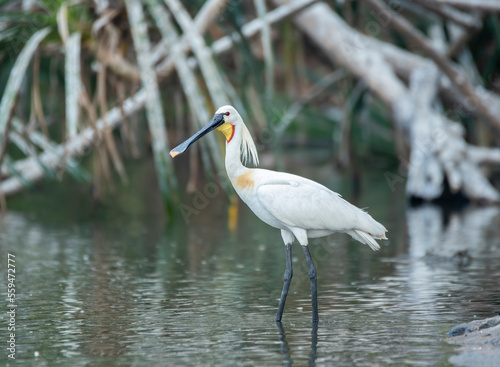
245 181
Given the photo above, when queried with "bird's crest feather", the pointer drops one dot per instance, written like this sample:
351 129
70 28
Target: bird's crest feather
248 148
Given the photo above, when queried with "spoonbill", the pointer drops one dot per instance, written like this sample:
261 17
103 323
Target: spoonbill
299 207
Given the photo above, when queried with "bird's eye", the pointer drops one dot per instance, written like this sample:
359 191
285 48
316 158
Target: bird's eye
227 113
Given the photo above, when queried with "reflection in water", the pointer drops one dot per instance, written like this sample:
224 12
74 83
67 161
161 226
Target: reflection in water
442 246
285 349
74 287
435 232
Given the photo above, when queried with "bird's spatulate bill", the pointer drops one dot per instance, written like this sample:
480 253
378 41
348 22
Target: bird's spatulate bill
216 121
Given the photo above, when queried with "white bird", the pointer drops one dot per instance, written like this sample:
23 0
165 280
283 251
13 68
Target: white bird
299 207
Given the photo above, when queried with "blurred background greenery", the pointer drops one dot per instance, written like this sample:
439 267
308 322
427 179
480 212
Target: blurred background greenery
90 88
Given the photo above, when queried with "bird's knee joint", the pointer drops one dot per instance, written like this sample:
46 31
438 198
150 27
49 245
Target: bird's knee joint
312 274
288 275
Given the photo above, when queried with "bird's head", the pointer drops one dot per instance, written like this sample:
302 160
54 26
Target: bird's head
231 119
228 121
225 119
229 114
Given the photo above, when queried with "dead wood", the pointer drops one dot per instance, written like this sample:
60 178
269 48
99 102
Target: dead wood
438 149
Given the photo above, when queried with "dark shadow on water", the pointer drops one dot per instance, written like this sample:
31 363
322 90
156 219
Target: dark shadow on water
285 348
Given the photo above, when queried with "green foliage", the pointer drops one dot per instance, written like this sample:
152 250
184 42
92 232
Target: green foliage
20 26
298 68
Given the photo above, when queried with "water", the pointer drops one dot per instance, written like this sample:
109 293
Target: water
119 287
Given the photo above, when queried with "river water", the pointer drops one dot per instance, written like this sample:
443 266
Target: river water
122 286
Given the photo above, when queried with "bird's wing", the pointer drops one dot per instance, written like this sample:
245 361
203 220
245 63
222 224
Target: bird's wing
299 202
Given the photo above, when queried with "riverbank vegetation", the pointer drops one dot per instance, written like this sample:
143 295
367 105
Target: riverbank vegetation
88 85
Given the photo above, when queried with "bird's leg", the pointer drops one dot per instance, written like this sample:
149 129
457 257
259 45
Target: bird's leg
287 279
314 288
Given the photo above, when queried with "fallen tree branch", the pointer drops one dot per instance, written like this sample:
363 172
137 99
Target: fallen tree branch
57 155
437 146
450 13
187 78
204 17
414 36
376 62
489 5
249 30
13 86
154 111
31 169
253 27
404 63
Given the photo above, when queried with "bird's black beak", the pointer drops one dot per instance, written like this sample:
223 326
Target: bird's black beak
216 121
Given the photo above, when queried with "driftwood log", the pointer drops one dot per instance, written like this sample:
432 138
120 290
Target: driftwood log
438 152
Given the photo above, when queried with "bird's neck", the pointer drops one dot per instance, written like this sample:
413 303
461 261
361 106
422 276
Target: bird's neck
234 167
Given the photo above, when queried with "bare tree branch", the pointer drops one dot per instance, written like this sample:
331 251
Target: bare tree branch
489 5
53 157
457 77
450 13
438 149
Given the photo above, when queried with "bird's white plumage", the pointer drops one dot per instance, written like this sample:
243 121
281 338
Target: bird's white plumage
301 208
291 203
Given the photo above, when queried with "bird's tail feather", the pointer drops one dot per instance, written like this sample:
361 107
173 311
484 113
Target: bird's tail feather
366 223
365 238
